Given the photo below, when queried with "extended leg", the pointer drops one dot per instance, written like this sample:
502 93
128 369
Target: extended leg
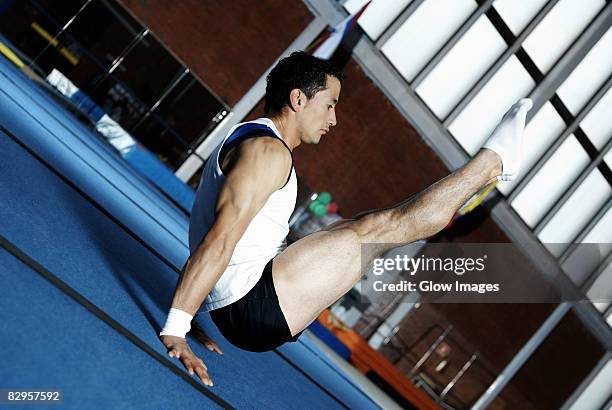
317 270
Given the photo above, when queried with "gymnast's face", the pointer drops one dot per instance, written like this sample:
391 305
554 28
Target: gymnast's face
318 114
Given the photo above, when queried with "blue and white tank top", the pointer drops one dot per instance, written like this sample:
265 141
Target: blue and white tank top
264 238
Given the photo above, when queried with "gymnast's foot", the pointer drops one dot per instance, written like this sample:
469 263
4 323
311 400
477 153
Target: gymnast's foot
507 139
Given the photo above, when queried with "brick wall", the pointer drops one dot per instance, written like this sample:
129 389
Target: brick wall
227 44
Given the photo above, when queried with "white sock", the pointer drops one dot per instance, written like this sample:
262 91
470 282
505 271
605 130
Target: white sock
507 139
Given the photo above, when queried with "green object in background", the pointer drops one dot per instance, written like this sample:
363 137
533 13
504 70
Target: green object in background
320 209
319 206
324 198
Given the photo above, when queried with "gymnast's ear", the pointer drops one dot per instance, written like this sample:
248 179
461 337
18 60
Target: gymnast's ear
297 99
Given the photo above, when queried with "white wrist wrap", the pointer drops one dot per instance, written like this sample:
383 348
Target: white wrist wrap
177 324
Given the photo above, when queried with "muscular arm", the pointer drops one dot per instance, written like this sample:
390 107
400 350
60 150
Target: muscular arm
262 167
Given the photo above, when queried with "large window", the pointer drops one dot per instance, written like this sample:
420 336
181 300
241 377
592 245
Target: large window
468 60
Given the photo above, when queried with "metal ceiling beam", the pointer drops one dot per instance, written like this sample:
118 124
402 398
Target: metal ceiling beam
398 22
608 311
572 57
584 232
596 273
501 60
502 380
450 43
576 183
566 64
571 128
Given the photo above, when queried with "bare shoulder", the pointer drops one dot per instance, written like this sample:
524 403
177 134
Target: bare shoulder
259 152
266 144
270 150
263 161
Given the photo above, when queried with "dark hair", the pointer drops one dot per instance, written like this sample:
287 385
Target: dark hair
301 71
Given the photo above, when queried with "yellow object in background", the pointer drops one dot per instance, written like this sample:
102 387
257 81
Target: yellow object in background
12 57
53 41
8 53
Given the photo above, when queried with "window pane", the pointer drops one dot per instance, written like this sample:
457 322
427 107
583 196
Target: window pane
576 213
99 30
601 290
60 11
551 181
161 139
179 120
559 29
583 261
30 27
598 391
598 122
422 35
588 76
479 118
148 69
518 13
602 233
453 77
189 108
378 16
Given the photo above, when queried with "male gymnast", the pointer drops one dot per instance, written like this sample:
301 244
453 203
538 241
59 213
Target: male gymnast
261 293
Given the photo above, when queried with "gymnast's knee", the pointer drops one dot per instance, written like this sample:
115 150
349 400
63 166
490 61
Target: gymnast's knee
376 227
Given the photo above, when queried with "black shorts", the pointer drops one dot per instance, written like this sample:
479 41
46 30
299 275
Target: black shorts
255 322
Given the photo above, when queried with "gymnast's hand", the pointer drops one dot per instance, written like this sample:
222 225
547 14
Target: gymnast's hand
178 347
200 335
